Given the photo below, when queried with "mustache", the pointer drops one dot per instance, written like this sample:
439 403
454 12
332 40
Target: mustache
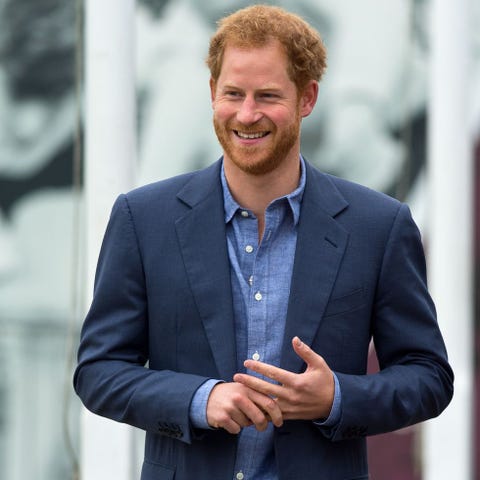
260 126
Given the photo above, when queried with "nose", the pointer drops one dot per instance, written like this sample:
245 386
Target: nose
248 112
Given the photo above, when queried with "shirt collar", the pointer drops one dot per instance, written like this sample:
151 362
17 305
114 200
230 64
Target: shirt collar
294 198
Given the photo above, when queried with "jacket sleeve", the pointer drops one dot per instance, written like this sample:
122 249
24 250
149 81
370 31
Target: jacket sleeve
112 377
415 381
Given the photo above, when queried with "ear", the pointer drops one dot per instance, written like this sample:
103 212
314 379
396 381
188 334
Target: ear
213 88
308 98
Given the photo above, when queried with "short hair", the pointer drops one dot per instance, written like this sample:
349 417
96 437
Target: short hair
256 25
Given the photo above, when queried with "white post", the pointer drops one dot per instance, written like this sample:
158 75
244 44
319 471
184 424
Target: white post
448 440
110 151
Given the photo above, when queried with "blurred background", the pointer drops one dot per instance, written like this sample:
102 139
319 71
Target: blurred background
371 125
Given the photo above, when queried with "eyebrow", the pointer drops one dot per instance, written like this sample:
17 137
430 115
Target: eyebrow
267 88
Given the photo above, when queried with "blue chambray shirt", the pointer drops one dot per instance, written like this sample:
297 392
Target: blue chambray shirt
260 279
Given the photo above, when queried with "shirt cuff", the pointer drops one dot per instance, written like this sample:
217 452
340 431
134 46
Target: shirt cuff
336 411
198 407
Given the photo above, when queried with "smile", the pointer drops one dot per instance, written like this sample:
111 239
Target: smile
250 136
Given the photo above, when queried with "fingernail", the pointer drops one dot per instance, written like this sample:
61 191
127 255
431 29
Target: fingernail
298 342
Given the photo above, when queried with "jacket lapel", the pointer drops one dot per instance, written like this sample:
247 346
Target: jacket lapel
321 244
201 234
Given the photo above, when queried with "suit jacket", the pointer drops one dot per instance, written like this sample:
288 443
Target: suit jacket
161 323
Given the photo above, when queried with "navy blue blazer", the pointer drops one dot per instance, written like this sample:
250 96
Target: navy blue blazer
161 323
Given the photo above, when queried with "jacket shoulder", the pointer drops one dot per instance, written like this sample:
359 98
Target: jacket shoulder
336 194
165 193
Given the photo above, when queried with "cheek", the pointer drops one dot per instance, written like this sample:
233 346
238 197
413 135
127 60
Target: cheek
282 122
283 116
222 112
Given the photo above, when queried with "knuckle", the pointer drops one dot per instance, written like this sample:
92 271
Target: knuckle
258 418
223 419
270 405
295 399
273 375
297 385
236 397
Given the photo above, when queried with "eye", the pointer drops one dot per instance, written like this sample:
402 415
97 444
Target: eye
269 96
233 94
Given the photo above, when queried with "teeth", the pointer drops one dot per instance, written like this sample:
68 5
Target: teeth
251 136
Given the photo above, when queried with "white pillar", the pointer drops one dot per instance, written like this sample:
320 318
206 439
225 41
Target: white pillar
110 145
448 440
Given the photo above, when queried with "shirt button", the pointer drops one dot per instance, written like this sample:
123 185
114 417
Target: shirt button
250 280
240 476
244 214
249 249
258 296
256 356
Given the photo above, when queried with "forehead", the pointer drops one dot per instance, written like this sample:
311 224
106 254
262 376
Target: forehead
267 61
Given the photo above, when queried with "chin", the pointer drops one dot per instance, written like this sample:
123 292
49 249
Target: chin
259 167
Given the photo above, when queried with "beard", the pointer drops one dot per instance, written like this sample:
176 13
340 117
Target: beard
258 160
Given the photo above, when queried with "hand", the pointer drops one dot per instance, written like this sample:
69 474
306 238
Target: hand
233 406
303 396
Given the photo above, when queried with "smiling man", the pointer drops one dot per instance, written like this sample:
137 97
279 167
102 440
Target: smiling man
253 289
257 108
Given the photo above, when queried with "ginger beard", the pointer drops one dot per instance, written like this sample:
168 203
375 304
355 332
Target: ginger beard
258 159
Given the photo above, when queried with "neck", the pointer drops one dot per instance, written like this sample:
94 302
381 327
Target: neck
256 192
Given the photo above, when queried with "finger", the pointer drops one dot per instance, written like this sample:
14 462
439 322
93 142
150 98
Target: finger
276 374
232 423
263 400
245 414
270 407
226 405
311 358
251 407
254 414
241 419
266 408
230 426
257 384
278 394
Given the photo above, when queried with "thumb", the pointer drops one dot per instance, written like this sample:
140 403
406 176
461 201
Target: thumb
311 358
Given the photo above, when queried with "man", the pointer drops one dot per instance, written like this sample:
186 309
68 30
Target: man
254 287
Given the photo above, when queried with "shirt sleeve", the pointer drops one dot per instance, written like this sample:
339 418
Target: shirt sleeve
336 410
198 407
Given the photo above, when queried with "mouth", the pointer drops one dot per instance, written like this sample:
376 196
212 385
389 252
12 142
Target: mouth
250 136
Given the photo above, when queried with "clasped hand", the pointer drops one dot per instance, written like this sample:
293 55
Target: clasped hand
249 400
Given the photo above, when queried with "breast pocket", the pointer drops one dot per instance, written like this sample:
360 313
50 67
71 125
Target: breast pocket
346 303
